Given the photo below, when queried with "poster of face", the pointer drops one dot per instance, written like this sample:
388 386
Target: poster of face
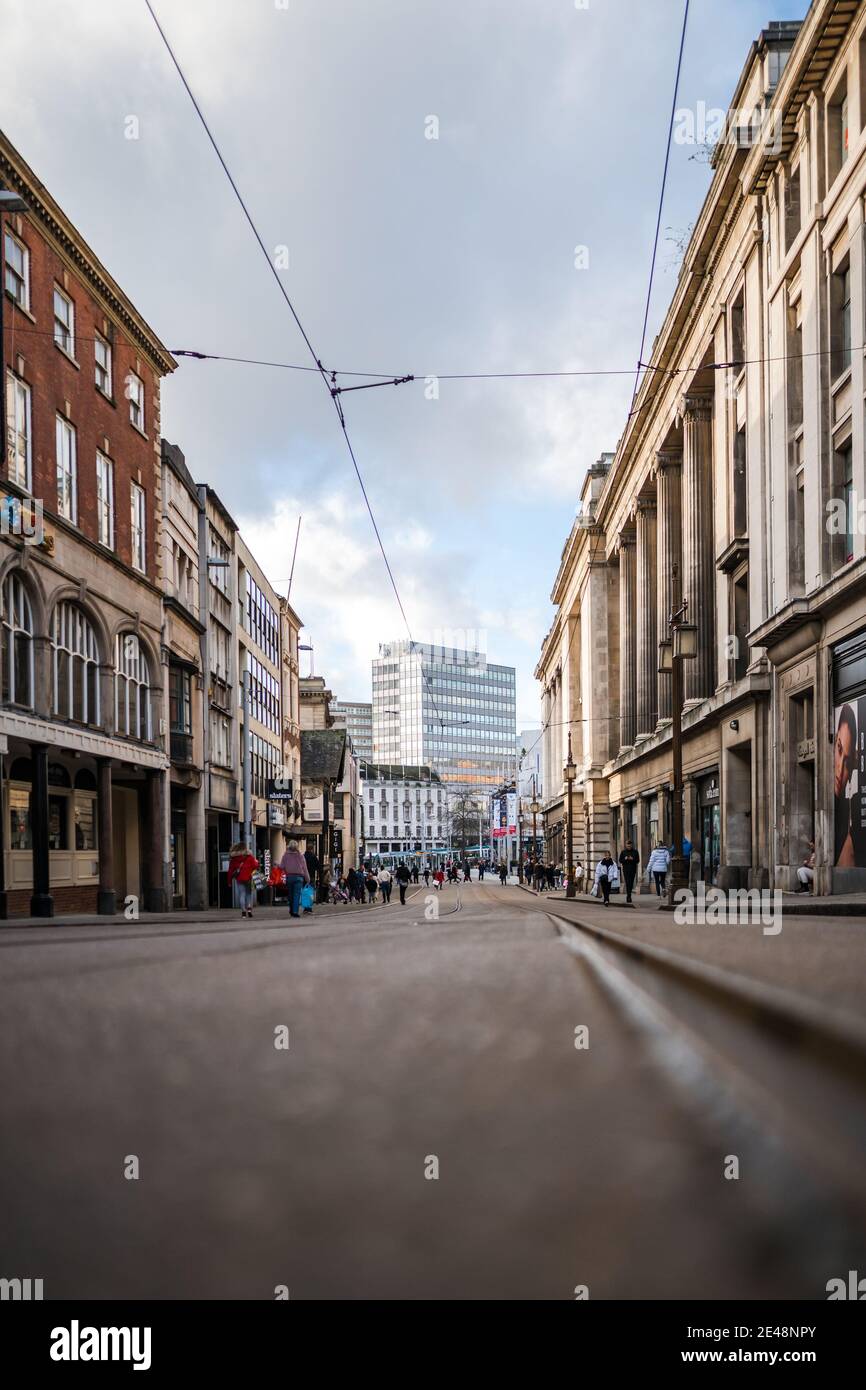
849 784
511 804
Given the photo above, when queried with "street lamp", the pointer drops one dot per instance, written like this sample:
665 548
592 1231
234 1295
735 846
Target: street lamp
569 773
683 646
534 808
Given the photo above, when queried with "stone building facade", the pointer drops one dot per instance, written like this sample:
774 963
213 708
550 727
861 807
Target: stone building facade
735 488
183 633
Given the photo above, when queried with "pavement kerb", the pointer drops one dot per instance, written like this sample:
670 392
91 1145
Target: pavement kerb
794 1018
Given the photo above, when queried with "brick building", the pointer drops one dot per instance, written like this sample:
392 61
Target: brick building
82 741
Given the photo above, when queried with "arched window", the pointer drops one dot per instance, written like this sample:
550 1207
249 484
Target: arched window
131 688
16 656
76 665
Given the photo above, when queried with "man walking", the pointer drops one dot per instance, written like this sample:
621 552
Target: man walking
385 884
402 876
628 862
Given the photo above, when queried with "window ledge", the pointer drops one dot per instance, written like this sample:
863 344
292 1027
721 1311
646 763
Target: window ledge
67 355
139 430
840 381
19 306
106 396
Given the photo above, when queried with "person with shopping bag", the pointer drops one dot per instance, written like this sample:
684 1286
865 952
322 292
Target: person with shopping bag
242 866
606 877
297 875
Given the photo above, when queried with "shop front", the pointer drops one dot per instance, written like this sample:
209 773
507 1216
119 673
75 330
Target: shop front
848 766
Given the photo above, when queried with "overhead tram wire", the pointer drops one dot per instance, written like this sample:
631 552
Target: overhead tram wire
330 386
388 377
661 201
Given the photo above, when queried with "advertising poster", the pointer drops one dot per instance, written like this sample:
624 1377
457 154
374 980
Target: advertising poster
849 784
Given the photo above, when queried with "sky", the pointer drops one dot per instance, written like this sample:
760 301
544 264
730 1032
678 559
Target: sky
401 253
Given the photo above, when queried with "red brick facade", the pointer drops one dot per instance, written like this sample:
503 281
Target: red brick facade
68 387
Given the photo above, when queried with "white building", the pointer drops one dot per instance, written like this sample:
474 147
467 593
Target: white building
406 814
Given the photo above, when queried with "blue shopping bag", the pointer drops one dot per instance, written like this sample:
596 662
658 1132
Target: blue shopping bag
306 897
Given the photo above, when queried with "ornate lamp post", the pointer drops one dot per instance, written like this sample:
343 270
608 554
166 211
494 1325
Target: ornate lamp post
681 646
534 808
569 773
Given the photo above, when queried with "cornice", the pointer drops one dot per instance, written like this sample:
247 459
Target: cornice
16 175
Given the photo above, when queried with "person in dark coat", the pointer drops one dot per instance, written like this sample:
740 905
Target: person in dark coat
403 876
629 861
312 867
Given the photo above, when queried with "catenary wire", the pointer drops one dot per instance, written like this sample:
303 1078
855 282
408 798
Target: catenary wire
661 200
285 295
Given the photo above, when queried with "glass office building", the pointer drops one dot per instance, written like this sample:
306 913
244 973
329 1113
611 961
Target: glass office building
359 723
447 708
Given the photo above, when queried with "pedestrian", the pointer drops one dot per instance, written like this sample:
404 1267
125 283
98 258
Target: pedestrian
294 867
503 873
578 875
606 876
242 866
628 862
806 871
371 883
427 876
550 876
312 861
658 865
438 880
403 877
467 874
385 884
352 884
480 873
415 874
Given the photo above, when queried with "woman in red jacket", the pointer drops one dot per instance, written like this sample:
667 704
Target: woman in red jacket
242 866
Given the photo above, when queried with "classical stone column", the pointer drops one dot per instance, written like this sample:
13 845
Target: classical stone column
156 897
41 901
106 903
668 474
699 579
647 640
627 638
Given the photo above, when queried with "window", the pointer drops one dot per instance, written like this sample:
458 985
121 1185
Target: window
847 471
19 818
16 648
75 662
220 752
17 259
131 689
837 132
105 499
64 322
179 700
19 448
793 213
102 357
84 816
135 396
840 320
139 538
67 470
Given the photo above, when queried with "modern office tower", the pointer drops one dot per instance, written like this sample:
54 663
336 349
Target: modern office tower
446 708
359 724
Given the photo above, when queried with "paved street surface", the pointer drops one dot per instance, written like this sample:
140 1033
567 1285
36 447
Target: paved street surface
410 1040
